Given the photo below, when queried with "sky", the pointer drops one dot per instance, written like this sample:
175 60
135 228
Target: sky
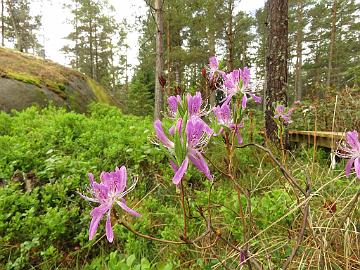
55 27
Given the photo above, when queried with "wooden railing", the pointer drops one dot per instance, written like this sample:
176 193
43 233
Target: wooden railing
325 139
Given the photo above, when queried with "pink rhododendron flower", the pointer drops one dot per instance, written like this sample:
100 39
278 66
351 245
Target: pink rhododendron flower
194 103
236 82
213 65
110 190
173 102
197 134
280 112
223 115
351 150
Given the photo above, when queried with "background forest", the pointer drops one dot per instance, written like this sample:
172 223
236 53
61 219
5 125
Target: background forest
46 152
323 45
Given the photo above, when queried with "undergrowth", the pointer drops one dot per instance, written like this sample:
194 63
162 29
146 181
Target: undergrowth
45 156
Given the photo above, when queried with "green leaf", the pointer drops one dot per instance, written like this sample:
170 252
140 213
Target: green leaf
130 260
145 264
163 266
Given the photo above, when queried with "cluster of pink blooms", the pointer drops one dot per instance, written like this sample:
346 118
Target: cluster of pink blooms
185 141
351 150
236 82
187 138
111 190
284 114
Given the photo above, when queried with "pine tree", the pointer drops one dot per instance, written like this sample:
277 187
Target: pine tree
276 61
92 50
20 26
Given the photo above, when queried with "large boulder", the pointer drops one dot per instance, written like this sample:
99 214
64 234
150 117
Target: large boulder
26 80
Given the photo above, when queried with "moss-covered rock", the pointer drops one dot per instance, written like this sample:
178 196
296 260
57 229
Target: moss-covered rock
26 80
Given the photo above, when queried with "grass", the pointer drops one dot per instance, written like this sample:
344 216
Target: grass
46 225
23 77
98 91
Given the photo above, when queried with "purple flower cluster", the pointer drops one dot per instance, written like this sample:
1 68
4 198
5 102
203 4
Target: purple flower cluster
186 139
223 116
110 190
351 151
234 83
284 114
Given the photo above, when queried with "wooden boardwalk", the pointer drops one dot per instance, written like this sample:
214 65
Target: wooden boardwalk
325 139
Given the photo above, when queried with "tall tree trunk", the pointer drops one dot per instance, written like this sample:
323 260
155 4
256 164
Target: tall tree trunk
2 24
96 66
299 40
126 70
159 60
331 45
91 48
168 56
77 66
276 61
230 35
211 40
113 73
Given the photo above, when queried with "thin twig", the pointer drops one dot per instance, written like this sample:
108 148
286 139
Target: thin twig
127 226
221 261
302 230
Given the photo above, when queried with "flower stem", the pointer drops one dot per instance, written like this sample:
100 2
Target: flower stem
183 206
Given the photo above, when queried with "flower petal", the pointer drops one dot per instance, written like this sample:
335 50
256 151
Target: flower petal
161 135
123 205
109 230
91 178
173 166
97 213
357 166
198 160
353 140
239 138
122 178
348 166
243 103
173 104
181 171
256 98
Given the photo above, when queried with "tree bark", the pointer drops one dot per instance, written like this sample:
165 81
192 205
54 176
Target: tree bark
159 59
299 40
230 35
331 45
77 66
91 52
168 56
211 41
276 61
96 41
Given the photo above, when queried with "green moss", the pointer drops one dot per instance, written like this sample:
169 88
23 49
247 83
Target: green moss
99 91
24 78
56 87
60 80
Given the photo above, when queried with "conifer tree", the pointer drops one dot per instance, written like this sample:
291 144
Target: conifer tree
20 26
94 40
